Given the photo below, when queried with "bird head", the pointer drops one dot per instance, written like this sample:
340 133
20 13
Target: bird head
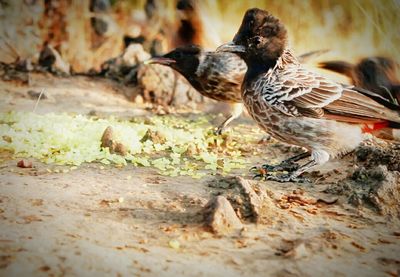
261 37
376 69
185 5
184 59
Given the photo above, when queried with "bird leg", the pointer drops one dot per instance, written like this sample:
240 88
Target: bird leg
317 158
286 165
236 112
293 176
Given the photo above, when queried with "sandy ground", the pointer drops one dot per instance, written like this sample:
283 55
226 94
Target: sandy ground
97 221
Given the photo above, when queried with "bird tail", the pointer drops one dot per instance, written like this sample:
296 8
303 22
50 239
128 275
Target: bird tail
394 125
341 67
378 98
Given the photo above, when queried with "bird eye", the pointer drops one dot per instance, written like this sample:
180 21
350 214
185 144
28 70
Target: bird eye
257 40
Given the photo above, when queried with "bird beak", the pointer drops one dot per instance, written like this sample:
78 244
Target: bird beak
160 60
231 47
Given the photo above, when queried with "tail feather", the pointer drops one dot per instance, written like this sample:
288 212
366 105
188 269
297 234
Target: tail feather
341 67
394 125
378 98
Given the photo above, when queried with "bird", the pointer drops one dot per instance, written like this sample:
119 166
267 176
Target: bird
377 74
296 105
215 75
190 28
193 25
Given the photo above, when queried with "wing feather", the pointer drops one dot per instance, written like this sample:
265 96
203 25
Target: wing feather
295 91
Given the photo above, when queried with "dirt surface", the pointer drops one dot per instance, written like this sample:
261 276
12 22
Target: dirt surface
102 220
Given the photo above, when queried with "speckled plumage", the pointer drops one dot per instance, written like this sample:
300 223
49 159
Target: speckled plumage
219 76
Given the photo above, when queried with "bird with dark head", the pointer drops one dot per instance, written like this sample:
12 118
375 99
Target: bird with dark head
298 106
215 75
260 41
185 60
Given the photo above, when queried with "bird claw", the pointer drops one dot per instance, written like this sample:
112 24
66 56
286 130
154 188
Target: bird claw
260 176
272 168
283 166
218 131
263 174
284 178
254 169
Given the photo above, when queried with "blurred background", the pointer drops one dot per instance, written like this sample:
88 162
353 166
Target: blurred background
89 32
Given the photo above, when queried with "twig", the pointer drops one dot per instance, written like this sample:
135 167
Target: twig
173 88
37 101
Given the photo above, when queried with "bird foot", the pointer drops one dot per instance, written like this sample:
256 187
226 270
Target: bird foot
218 131
288 166
282 178
283 166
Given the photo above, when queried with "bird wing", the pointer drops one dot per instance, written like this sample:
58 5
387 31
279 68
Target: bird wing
296 91
354 104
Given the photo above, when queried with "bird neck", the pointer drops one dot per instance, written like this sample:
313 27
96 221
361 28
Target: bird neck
190 75
258 66
188 68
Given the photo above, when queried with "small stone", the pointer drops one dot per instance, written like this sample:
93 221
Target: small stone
107 141
107 138
24 164
220 216
255 201
35 95
154 136
174 244
120 149
299 251
7 139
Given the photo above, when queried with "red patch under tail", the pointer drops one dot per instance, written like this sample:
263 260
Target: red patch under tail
372 127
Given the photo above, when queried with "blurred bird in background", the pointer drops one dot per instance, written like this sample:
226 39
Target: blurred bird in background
377 74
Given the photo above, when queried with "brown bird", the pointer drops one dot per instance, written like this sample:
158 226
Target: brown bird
377 74
193 26
298 106
215 75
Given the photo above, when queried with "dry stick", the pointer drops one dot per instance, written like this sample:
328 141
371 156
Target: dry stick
173 88
37 101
